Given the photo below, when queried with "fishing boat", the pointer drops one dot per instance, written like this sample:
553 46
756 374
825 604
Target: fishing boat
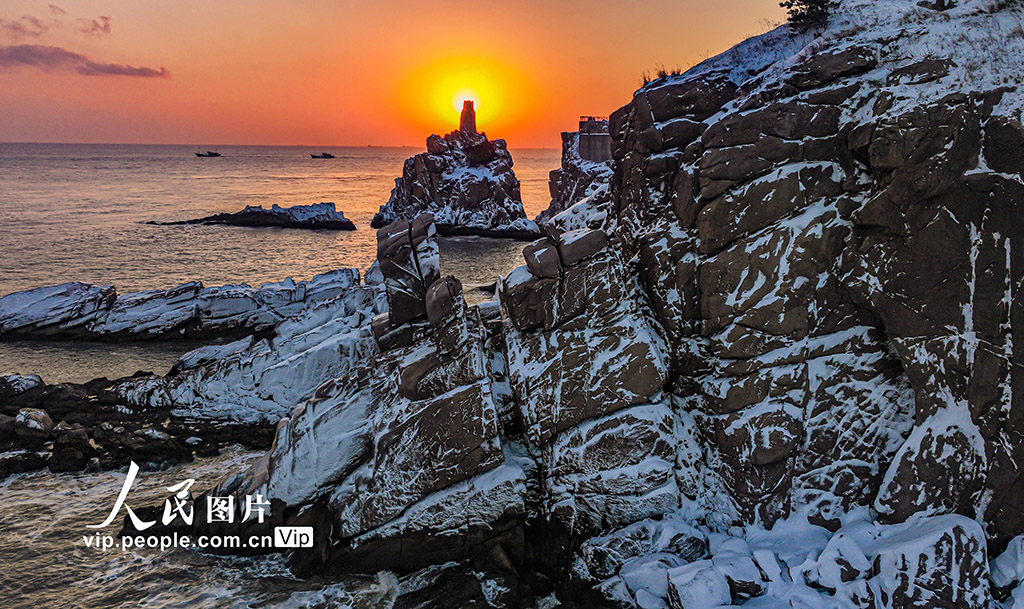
322 155
208 153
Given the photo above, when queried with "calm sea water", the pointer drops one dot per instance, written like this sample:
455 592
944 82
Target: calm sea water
77 212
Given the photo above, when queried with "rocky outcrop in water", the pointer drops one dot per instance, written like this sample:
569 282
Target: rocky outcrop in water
213 396
321 216
88 311
782 370
466 182
95 426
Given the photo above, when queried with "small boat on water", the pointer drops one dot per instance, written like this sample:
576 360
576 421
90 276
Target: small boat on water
322 155
208 153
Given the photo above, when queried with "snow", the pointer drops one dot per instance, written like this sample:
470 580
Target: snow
316 212
21 383
80 309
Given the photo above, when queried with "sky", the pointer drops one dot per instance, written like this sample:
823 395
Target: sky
334 72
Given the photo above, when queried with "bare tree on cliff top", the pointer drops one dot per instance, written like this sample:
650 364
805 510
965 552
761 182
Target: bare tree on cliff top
808 14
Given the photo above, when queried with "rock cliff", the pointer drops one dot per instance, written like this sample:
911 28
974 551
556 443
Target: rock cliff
782 369
576 179
466 182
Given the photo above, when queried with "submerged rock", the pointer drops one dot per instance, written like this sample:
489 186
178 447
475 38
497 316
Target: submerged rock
321 216
466 181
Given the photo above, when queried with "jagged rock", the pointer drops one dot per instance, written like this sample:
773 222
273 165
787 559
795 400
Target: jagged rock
409 260
32 427
316 216
797 303
71 448
577 179
824 68
939 469
941 562
734 560
82 310
18 461
466 181
613 471
604 556
446 310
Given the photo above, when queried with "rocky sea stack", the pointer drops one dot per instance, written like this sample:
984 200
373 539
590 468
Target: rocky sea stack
781 368
466 181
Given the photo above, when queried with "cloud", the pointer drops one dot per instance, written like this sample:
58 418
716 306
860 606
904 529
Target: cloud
26 27
56 58
94 27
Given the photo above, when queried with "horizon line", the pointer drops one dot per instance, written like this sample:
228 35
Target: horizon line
207 146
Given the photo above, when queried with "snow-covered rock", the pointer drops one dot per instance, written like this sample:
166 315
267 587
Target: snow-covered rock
315 216
263 379
577 179
794 331
82 310
466 181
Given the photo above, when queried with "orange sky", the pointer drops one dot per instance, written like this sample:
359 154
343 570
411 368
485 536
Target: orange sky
344 73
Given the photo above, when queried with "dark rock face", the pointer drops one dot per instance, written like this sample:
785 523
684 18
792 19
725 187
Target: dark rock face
98 428
837 268
466 181
322 216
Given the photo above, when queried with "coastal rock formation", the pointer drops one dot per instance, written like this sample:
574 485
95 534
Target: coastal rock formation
466 182
315 216
576 179
87 311
783 369
213 396
74 427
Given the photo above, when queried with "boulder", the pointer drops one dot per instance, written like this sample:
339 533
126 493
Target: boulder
542 259
580 244
698 585
446 311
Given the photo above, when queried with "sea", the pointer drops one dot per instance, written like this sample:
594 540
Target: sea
76 212
79 212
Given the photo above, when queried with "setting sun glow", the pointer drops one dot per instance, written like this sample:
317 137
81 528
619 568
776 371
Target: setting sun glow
502 95
461 96
318 73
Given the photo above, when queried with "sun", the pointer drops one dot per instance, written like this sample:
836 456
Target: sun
430 95
462 95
